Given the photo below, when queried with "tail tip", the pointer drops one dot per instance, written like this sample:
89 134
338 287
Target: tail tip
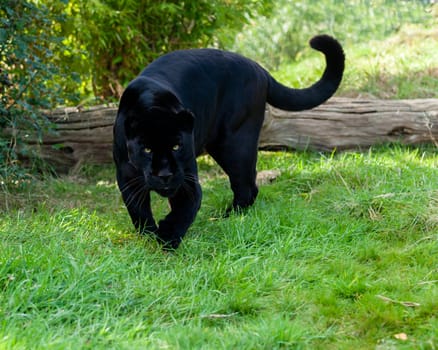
325 43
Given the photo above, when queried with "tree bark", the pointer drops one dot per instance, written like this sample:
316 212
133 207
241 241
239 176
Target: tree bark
84 136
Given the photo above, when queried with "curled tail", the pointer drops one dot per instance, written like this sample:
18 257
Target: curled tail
290 99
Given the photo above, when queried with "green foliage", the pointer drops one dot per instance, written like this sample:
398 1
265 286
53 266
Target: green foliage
279 38
340 252
401 66
114 40
27 89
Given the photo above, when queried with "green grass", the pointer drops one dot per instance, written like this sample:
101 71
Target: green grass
340 252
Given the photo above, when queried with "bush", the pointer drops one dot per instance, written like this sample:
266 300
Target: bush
111 41
27 37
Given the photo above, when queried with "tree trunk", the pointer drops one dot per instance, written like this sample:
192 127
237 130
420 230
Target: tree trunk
85 136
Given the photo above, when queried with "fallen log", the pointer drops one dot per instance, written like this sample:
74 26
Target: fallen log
344 123
84 136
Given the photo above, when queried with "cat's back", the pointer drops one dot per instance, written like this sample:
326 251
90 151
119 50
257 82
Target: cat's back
205 63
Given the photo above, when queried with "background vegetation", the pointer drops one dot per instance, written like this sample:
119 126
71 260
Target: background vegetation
84 52
282 37
109 42
339 252
29 80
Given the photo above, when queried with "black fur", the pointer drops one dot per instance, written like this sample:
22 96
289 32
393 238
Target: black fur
191 101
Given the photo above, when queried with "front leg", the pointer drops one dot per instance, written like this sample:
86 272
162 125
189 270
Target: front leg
136 197
184 206
141 214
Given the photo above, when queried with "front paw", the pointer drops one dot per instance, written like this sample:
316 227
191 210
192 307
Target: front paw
168 238
171 245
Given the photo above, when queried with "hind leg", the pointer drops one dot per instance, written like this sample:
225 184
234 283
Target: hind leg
237 156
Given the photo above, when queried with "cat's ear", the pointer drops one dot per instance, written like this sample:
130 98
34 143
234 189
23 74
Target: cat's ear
166 98
131 123
186 120
132 94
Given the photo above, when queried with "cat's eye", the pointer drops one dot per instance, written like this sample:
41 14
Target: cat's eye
147 150
176 147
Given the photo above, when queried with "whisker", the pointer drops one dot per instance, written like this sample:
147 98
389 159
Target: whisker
131 185
131 198
143 196
138 190
191 178
133 181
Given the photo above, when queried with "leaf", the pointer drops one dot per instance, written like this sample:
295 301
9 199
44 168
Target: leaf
409 304
3 35
217 316
403 303
401 336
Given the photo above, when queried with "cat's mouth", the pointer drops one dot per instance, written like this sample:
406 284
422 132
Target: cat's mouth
164 186
166 191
